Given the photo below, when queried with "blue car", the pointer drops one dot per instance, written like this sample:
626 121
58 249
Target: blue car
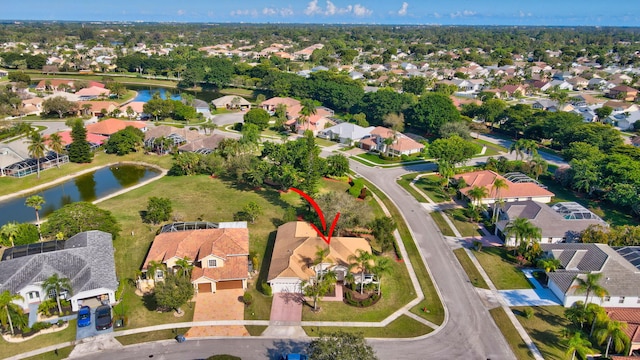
84 316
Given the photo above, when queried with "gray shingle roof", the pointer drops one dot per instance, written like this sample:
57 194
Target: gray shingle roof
87 260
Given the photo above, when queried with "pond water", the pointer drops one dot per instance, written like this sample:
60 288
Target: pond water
145 93
87 187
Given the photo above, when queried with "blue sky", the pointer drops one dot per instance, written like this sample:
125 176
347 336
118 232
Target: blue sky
461 12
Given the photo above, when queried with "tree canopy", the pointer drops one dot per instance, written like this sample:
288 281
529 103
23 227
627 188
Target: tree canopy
77 217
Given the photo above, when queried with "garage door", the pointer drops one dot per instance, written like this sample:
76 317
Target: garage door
234 284
204 288
285 286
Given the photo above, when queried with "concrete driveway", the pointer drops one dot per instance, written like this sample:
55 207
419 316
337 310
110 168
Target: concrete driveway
221 305
286 308
228 118
540 296
90 331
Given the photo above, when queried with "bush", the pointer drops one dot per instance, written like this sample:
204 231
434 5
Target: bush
27 234
247 298
40 326
266 289
356 187
527 313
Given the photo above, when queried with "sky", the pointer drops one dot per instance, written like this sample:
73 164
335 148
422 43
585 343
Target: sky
425 12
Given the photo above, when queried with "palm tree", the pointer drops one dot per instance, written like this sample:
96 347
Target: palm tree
523 230
55 284
498 184
516 147
56 145
477 193
549 265
381 266
36 202
7 303
185 266
318 287
596 315
578 345
360 260
308 110
37 148
538 165
590 285
153 268
10 231
613 332
321 256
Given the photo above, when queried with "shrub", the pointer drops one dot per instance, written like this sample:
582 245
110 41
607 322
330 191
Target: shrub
356 188
266 289
40 326
247 298
527 313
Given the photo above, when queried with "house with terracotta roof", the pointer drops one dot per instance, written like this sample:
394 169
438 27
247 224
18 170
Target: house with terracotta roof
218 252
619 267
623 92
92 93
96 108
401 145
55 84
631 316
111 126
315 123
295 249
293 106
94 140
136 106
515 191
231 102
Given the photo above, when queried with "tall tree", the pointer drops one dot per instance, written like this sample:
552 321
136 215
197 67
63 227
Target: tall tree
613 333
498 185
381 266
477 193
578 345
362 260
37 148
36 202
341 345
588 285
77 217
308 110
319 287
7 304
185 265
55 284
431 111
9 231
56 145
523 230
79 149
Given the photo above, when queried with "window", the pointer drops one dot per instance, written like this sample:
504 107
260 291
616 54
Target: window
607 298
621 301
33 295
159 274
213 263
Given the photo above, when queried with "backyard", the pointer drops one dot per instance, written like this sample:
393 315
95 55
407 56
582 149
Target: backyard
501 266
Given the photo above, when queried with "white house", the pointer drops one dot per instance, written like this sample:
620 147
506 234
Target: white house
619 267
86 259
345 133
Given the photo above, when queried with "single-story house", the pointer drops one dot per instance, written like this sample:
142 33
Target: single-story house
562 222
86 259
96 108
32 105
402 144
293 106
623 92
295 249
345 133
631 316
635 141
111 126
515 191
94 140
316 122
620 277
93 92
4 73
219 254
184 140
136 106
55 84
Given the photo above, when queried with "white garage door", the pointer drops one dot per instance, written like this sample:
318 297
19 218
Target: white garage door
285 286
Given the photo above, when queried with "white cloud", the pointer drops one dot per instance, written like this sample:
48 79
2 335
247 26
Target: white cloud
244 12
403 9
437 15
181 12
332 9
523 14
273 12
462 13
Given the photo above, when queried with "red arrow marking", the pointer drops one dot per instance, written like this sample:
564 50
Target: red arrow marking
327 238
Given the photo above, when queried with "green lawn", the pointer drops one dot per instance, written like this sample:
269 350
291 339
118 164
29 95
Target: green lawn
431 300
431 186
520 349
546 328
151 336
325 142
462 223
10 185
10 349
471 270
247 93
375 158
402 327
62 353
502 269
490 145
405 182
444 227
260 308
255 330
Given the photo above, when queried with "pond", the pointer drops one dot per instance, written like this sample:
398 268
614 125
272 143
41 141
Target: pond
145 92
86 187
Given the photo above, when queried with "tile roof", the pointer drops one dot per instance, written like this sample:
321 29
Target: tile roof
136 106
93 91
112 126
296 246
486 178
92 138
87 260
235 267
629 315
203 142
97 106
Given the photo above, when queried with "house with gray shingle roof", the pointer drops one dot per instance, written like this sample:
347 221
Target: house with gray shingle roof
619 276
345 133
86 259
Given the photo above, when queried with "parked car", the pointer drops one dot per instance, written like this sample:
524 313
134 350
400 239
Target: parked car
84 316
103 317
293 357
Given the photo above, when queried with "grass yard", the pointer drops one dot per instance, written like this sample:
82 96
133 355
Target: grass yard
151 336
471 270
606 211
324 142
375 158
510 333
255 330
500 265
63 353
462 223
402 327
9 185
10 349
444 227
248 93
260 308
546 328
395 294
405 182
497 148
432 300
431 186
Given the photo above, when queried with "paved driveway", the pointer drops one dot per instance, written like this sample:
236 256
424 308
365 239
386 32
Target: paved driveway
90 331
222 305
540 296
286 308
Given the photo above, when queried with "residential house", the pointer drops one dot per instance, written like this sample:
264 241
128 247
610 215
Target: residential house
587 112
624 120
400 145
623 92
111 126
517 190
345 133
562 222
514 90
621 106
293 106
635 141
96 108
60 84
585 100
86 259
356 75
578 82
4 73
557 84
630 316
219 254
620 276
137 107
545 104
231 102
294 252
94 140
316 122
92 93
597 84
32 106
182 140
